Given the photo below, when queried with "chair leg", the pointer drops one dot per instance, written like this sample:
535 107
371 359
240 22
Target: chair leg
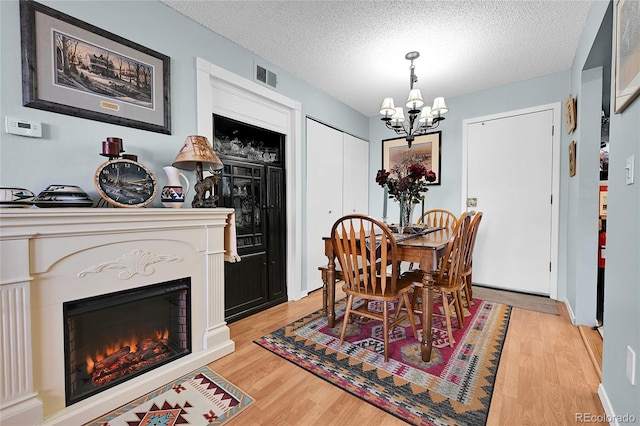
385 330
414 297
345 321
447 317
457 300
412 320
468 291
401 305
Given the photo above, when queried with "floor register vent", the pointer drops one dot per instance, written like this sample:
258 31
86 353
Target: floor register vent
265 76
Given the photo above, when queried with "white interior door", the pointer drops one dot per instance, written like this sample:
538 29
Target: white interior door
324 193
509 171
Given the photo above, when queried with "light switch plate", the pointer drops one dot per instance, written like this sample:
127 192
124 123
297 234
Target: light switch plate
628 170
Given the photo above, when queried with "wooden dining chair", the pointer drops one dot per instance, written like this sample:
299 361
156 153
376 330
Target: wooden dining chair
362 243
438 218
468 260
448 282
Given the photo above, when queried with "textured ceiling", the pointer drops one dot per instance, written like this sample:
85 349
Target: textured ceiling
354 50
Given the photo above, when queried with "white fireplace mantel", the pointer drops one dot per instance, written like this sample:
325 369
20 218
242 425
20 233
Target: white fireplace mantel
51 256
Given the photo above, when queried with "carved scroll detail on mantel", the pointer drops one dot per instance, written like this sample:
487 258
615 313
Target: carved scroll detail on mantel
136 262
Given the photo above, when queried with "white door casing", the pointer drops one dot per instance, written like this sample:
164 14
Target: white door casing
222 92
511 166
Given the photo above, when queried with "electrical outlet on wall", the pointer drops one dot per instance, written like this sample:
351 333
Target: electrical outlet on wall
631 365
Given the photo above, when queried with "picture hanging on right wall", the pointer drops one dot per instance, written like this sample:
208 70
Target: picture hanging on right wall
627 55
572 158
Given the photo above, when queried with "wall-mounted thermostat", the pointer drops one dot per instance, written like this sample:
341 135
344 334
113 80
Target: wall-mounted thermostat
23 127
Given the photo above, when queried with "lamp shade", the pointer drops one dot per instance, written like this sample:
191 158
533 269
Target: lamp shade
387 108
439 107
398 117
425 116
197 149
415 102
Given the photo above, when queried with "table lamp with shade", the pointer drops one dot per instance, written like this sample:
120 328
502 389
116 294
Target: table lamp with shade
197 154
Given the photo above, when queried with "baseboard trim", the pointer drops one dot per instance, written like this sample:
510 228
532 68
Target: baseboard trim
572 316
606 404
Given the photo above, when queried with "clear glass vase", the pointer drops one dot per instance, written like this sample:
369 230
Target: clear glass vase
406 215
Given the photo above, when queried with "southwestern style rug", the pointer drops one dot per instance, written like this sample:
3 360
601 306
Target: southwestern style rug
454 388
201 398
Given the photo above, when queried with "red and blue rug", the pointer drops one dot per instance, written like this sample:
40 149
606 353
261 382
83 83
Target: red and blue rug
200 398
454 388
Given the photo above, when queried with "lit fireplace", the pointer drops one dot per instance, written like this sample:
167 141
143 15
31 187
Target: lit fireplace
115 337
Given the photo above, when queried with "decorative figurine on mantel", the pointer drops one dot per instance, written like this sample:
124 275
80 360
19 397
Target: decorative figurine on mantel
207 186
195 154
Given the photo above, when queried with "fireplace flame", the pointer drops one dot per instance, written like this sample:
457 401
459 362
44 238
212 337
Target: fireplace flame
131 344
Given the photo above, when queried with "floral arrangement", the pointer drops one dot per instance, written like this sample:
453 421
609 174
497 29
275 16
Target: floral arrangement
406 181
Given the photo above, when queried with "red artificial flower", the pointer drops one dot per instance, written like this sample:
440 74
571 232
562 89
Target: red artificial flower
406 180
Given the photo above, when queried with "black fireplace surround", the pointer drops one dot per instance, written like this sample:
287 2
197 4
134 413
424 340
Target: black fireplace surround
115 337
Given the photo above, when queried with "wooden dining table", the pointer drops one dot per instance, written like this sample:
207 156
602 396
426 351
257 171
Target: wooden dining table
423 250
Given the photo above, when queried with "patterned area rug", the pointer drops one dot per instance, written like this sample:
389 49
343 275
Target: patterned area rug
200 398
454 388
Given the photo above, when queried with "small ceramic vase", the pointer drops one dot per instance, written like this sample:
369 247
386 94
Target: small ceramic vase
173 194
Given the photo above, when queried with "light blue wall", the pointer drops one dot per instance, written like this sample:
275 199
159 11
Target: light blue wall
68 151
622 280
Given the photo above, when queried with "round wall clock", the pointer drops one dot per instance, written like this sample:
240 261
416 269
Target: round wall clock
125 183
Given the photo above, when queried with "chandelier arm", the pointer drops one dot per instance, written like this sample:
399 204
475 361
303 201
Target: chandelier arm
400 130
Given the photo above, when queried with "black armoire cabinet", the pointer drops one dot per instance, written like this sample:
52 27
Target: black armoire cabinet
253 184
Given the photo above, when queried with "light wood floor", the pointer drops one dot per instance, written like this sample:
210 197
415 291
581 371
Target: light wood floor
545 376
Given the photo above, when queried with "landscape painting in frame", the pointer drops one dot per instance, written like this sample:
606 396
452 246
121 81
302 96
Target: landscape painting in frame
425 149
71 67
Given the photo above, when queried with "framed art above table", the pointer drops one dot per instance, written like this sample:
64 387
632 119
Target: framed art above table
425 149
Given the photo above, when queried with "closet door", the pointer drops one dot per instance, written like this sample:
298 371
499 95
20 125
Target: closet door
355 194
324 193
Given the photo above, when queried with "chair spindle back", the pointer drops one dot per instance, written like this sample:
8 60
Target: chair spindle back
362 243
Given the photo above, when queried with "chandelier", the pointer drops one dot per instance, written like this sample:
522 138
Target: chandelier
421 119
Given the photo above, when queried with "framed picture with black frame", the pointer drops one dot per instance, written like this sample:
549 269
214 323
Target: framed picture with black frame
425 149
74 68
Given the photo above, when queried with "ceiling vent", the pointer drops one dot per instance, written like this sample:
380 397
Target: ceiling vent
265 76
